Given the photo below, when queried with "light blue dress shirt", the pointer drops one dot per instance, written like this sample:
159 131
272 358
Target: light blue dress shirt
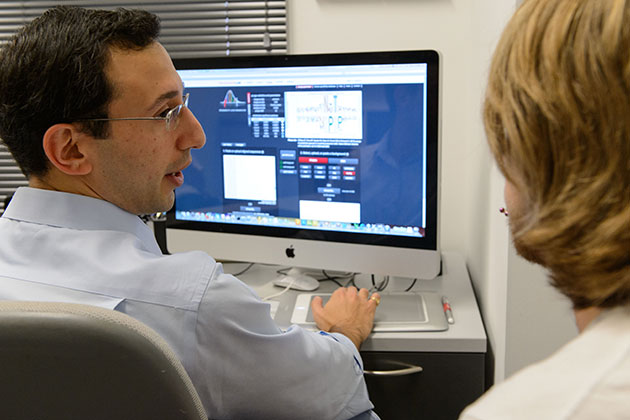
57 246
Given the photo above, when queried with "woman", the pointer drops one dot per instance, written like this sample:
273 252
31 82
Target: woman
557 118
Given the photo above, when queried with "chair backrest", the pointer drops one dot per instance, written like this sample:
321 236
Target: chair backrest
69 361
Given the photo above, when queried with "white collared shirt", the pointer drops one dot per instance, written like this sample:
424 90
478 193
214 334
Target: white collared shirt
64 247
588 378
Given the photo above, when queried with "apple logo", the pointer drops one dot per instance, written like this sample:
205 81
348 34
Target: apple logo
290 251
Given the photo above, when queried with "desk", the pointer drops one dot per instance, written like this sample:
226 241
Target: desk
453 361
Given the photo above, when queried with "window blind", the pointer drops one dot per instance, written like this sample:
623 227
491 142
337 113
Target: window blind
191 28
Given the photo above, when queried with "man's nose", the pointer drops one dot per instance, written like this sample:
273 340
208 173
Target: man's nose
191 135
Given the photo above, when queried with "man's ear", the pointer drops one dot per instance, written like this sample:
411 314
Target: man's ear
63 145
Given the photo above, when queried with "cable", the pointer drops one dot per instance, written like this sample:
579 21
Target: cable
342 276
244 270
283 271
413 283
350 276
381 286
334 280
384 283
350 281
288 286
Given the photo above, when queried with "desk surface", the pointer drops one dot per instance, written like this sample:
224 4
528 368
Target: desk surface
467 334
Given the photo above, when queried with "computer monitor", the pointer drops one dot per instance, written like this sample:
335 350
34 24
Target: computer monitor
315 161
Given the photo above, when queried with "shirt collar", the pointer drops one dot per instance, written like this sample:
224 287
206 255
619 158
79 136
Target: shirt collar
74 211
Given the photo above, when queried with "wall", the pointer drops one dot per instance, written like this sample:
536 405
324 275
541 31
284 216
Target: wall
465 33
537 314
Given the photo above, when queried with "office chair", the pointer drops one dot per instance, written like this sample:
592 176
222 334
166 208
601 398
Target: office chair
70 361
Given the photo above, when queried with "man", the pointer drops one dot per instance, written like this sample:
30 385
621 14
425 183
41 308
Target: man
557 118
95 114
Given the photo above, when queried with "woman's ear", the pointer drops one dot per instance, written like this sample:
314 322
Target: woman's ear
63 145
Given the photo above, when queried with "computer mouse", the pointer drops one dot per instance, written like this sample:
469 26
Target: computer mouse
297 280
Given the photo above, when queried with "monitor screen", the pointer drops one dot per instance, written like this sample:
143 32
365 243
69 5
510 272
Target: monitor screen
321 161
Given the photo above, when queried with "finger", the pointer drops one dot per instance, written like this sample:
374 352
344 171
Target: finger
339 291
351 290
364 293
374 300
317 308
316 303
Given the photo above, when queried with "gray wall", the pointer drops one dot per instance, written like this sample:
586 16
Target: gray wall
539 319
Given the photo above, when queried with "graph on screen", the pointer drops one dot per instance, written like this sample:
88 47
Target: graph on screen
324 114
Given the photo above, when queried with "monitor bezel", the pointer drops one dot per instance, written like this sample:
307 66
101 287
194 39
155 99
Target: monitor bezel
430 240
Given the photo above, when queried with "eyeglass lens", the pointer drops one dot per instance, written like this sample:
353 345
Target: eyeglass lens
172 118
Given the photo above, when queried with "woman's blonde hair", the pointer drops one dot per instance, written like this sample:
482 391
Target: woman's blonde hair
557 118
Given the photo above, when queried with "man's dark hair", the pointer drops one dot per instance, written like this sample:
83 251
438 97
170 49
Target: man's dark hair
53 71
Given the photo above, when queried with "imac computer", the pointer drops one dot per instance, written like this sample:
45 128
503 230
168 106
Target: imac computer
323 161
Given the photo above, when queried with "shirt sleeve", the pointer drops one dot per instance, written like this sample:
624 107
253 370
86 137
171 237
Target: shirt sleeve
248 368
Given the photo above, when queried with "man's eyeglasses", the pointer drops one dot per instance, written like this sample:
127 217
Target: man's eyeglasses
171 118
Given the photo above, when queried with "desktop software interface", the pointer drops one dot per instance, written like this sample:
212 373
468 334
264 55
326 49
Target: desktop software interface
338 148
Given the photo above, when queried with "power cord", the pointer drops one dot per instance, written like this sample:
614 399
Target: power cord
381 286
244 270
335 279
283 291
413 283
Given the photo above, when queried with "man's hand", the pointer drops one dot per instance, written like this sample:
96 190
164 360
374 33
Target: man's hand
348 312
